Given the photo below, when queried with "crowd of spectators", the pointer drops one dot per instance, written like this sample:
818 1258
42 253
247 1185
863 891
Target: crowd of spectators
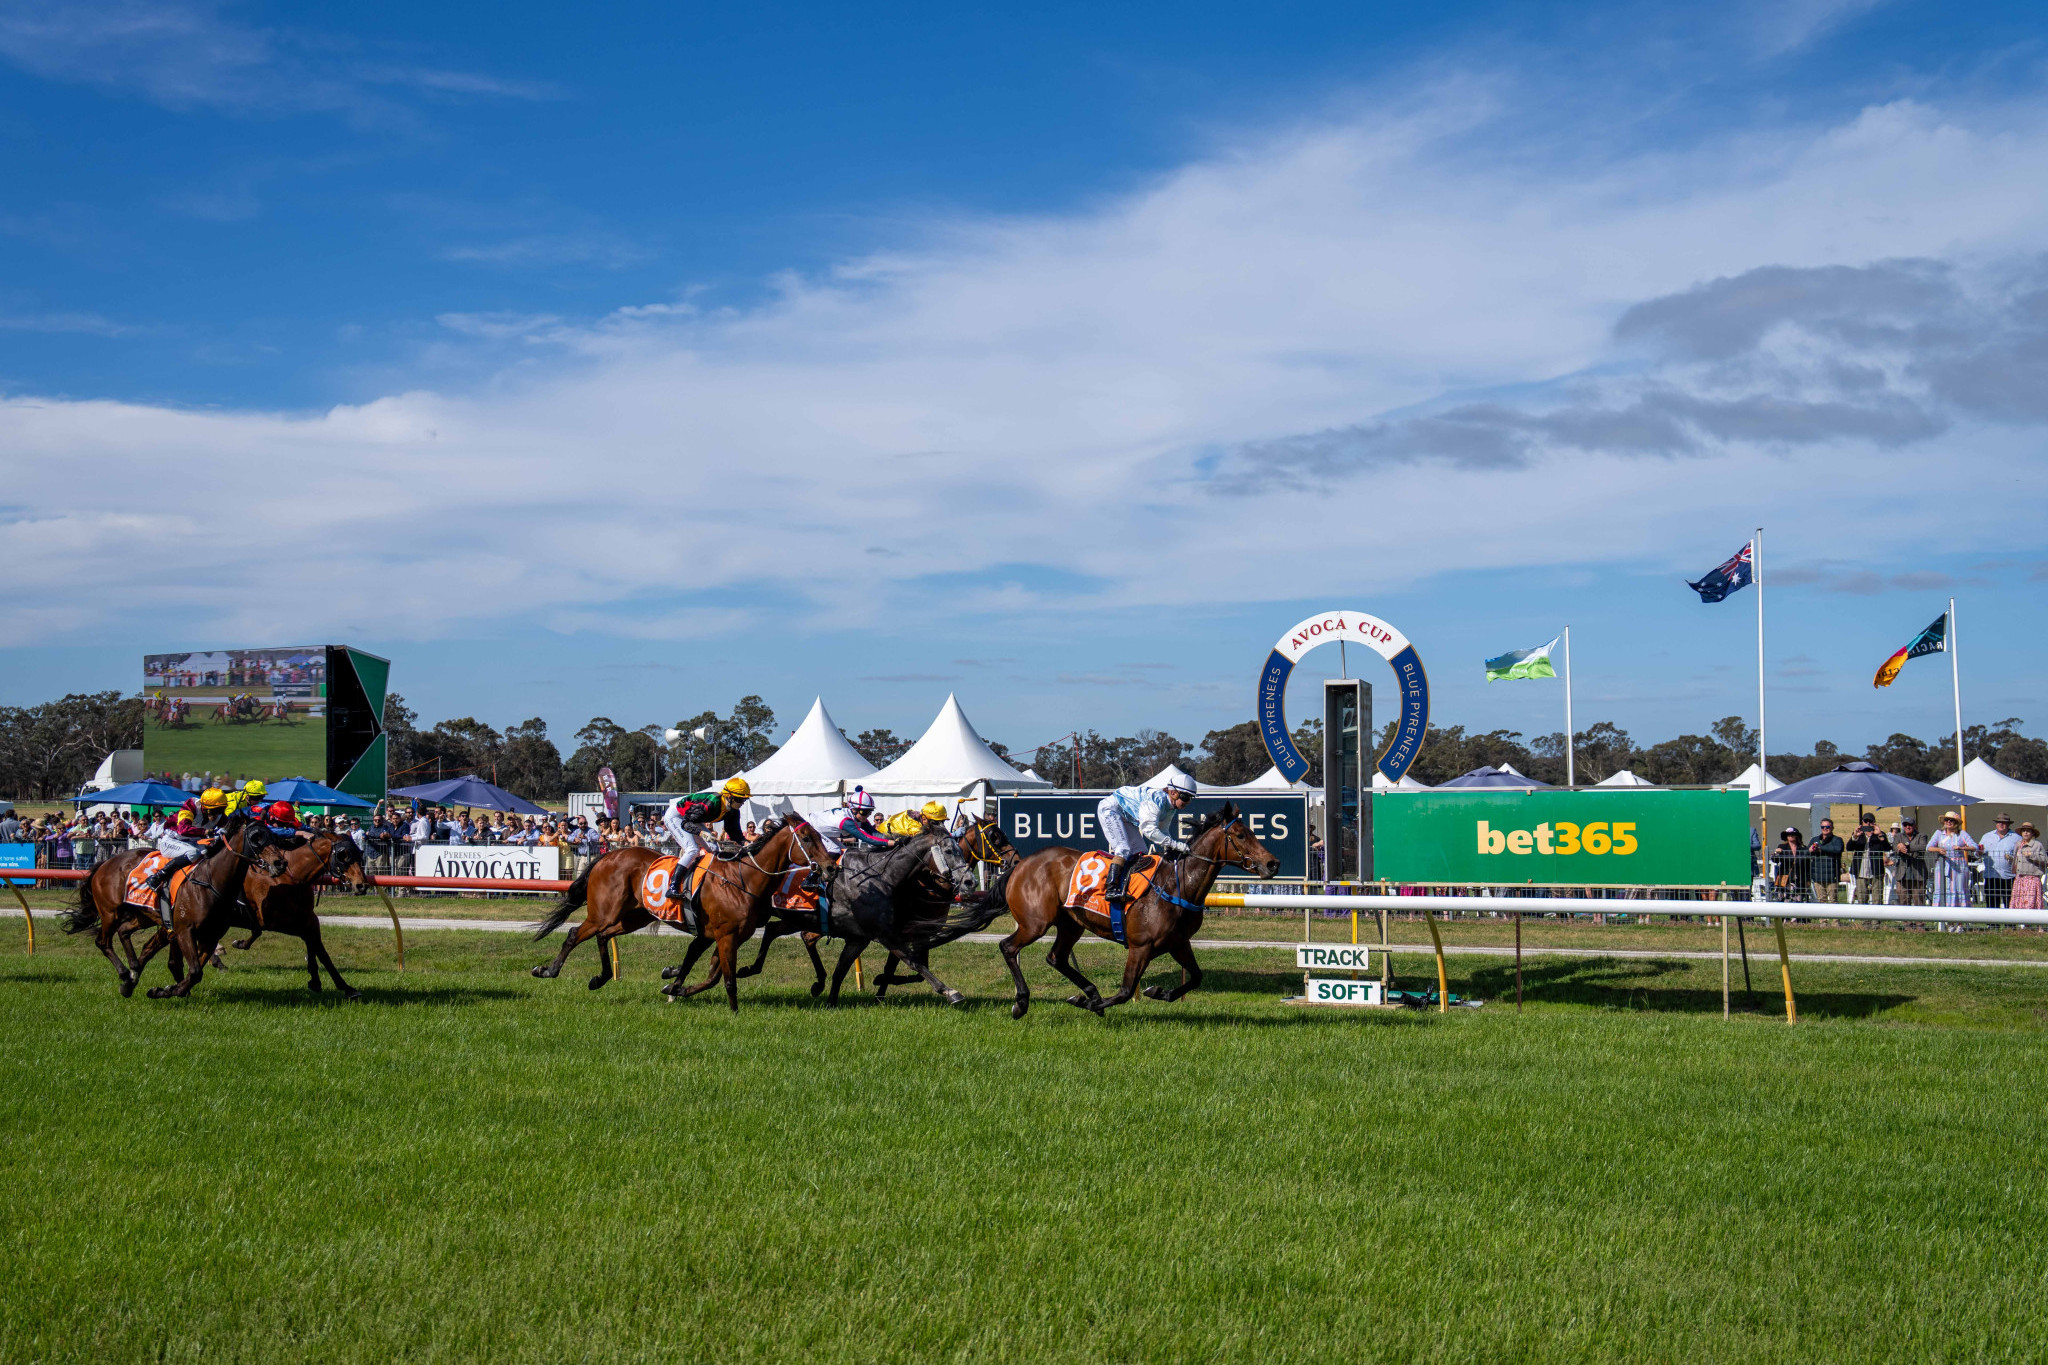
1903 865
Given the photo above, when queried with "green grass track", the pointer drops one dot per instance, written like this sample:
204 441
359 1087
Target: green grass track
474 1165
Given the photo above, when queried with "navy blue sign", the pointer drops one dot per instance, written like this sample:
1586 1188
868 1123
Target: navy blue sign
1355 628
1279 820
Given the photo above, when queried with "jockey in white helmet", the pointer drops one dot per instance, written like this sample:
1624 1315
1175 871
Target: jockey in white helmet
1130 819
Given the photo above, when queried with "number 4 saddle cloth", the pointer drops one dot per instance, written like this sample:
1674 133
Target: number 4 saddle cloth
654 888
135 891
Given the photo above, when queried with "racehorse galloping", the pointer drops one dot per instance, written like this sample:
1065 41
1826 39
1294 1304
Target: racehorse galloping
1164 919
983 843
864 910
734 891
287 904
102 908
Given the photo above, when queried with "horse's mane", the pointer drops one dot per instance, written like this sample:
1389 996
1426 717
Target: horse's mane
1214 819
771 827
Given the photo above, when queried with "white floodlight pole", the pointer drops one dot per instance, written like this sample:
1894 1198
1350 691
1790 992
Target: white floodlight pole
1955 678
1570 777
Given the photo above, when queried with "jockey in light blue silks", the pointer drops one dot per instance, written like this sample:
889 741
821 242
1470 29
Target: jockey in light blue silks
1130 819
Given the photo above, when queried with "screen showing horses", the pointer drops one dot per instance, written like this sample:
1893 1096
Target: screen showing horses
237 713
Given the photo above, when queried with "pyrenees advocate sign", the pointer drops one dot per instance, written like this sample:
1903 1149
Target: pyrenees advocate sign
499 862
1563 838
1279 821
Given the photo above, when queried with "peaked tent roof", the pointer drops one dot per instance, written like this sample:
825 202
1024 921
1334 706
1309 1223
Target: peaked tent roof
948 758
1267 781
1406 784
1158 779
1624 778
1989 784
815 760
1747 778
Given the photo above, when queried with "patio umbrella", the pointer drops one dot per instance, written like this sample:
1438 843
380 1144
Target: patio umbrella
469 791
137 794
1862 784
1492 777
301 791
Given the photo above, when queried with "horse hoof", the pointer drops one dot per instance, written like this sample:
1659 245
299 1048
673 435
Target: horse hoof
955 998
157 992
1154 993
597 981
1017 1010
354 997
671 973
543 973
817 989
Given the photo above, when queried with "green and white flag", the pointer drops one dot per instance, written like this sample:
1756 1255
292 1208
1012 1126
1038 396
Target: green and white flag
1522 663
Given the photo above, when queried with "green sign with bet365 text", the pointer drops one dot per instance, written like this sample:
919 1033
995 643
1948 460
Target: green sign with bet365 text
1622 837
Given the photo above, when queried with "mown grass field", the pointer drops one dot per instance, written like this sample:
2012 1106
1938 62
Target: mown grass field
267 750
476 1165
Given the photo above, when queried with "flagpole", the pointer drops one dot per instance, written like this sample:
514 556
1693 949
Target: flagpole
1955 677
1756 573
1570 778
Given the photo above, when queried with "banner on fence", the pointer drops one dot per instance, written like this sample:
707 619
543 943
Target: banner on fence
1280 822
1563 838
493 861
18 855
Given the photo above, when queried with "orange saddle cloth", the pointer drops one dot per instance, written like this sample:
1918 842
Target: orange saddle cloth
135 891
790 893
1090 879
654 887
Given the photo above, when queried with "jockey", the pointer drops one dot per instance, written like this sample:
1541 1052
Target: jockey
180 843
686 819
912 822
282 819
1129 817
213 807
246 798
850 823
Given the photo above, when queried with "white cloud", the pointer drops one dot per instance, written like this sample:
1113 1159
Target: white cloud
1062 391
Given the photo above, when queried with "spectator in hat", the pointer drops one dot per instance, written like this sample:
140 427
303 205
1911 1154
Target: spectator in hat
1948 852
1999 846
1789 874
1866 849
1824 858
2029 865
1908 862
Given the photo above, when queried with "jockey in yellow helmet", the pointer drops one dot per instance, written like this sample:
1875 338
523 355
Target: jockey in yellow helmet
686 820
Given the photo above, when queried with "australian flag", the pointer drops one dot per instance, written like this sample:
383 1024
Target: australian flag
1734 574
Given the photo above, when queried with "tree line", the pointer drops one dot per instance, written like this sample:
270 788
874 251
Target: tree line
50 749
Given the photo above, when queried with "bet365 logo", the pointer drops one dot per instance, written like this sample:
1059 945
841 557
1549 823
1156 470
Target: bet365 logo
1563 838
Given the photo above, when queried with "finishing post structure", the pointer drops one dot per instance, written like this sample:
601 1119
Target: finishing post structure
1347 798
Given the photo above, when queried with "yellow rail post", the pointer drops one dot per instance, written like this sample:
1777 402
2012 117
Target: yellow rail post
28 917
615 956
1443 985
396 932
1785 970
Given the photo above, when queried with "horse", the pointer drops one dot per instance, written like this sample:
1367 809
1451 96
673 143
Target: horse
922 896
734 890
214 879
287 903
862 909
1035 891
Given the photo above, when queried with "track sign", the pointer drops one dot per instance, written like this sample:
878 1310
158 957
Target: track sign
1339 957
1318 991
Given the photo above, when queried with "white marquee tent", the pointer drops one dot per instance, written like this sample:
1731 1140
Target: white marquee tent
811 770
1625 778
949 761
1748 778
1989 784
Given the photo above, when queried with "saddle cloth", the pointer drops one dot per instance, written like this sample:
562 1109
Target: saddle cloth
654 888
136 890
790 893
1090 879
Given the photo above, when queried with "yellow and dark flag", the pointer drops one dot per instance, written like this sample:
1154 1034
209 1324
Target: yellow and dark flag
1932 640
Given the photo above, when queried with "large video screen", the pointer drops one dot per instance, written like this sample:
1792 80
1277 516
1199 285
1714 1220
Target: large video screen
237 713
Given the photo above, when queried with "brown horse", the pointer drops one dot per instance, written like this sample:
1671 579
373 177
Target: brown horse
1163 919
101 907
734 893
286 904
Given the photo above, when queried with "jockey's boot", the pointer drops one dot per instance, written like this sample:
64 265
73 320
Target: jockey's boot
1119 889
161 878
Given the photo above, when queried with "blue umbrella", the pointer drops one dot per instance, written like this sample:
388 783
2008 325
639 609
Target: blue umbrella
1491 777
136 794
302 791
1861 784
470 791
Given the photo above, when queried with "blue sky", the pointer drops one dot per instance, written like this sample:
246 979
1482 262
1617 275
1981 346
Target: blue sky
625 362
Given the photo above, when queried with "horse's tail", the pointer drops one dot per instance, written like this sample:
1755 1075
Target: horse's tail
972 916
572 900
85 915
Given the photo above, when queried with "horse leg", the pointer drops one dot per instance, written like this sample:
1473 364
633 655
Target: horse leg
849 953
681 972
1182 952
717 972
312 965
104 941
603 938
313 937
575 936
185 942
810 942
1023 936
1135 961
776 929
910 956
246 944
1066 933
